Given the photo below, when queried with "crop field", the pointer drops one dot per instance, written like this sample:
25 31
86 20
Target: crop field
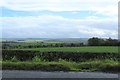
78 49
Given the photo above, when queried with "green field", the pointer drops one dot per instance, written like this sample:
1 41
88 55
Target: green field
78 49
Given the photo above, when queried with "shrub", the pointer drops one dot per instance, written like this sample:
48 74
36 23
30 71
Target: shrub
14 59
36 59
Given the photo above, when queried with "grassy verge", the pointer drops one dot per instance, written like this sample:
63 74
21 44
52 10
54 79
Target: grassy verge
62 65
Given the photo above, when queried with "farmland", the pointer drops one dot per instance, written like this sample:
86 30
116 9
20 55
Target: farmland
79 49
61 55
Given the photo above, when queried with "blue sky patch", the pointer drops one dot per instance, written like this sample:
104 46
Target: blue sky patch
66 14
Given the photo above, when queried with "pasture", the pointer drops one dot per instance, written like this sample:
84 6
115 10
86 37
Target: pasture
78 49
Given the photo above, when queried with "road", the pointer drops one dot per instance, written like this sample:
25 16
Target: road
40 74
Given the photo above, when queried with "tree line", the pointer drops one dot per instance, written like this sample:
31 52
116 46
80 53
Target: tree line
103 42
9 46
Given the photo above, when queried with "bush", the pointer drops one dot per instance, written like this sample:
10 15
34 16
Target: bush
14 59
36 59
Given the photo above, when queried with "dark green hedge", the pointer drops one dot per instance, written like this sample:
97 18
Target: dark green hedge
24 55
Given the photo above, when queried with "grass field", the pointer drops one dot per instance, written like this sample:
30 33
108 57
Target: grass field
79 49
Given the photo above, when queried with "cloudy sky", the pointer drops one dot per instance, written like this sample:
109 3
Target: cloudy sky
59 18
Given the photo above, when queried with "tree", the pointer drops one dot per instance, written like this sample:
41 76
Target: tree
111 42
95 41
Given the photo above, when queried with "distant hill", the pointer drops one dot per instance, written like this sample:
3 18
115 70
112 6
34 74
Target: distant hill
81 40
72 40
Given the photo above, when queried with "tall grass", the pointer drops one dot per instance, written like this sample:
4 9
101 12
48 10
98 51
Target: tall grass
107 65
62 65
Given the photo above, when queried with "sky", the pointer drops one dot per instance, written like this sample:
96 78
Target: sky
59 18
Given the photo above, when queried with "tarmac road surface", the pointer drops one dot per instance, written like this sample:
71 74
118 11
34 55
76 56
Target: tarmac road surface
40 74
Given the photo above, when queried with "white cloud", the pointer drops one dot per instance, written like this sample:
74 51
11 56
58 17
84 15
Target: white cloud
99 32
106 7
109 10
58 27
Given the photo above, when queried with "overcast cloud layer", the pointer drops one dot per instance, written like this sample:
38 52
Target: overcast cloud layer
101 23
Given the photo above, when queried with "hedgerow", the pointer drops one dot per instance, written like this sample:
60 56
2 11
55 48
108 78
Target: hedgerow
26 55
